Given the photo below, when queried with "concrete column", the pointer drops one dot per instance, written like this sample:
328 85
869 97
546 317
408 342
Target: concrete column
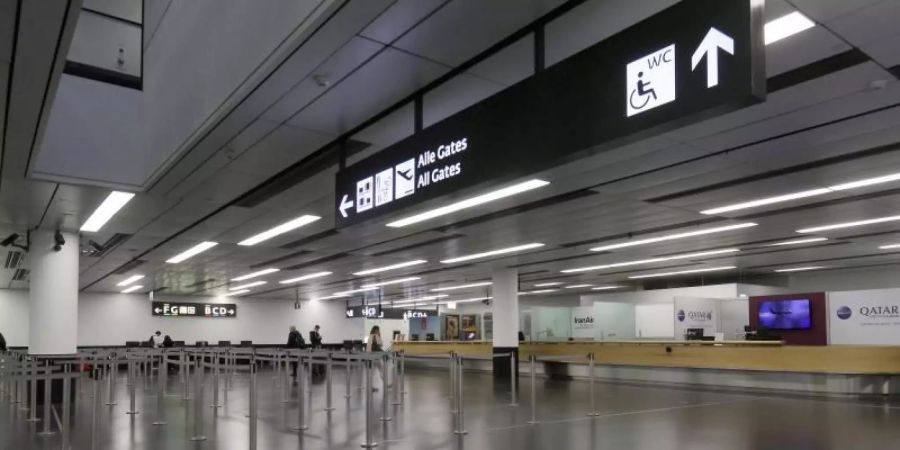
53 314
505 309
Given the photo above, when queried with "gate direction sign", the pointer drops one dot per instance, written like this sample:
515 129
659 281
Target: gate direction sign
172 309
695 60
377 312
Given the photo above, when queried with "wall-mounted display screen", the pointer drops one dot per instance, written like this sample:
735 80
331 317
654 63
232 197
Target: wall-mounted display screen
792 314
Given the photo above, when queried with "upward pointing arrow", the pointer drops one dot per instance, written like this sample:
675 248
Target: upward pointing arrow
709 46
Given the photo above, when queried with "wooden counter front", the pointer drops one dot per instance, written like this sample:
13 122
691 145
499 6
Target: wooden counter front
743 355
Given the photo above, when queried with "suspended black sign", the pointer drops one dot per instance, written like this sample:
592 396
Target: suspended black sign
692 61
172 309
377 312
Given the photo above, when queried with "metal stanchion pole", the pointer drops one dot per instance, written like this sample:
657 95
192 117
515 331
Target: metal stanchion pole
47 396
460 411
395 363
533 420
132 387
370 407
161 376
198 401
593 412
186 373
513 380
64 420
253 401
402 376
386 386
453 374
111 382
33 400
215 403
285 398
301 403
347 376
328 371
95 405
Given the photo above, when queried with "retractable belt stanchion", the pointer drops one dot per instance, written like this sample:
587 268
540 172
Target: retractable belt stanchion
386 386
215 402
283 375
95 405
347 377
533 420
198 401
161 377
513 380
110 384
328 367
398 377
32 417
132 386
253 401
402 376
460 411
301 403
593 412
66 415
47 392
453 385
370 407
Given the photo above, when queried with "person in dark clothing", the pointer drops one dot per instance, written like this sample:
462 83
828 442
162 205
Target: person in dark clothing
168 342
2 343
315 338
295 340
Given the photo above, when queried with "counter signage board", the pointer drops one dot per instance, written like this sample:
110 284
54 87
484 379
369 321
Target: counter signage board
692 61
376 312
172 309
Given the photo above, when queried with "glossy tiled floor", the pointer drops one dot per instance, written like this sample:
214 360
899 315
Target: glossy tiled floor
631 417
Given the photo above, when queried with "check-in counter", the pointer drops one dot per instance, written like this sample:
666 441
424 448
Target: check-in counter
846 369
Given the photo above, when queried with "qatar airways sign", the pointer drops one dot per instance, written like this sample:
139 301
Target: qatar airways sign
870 317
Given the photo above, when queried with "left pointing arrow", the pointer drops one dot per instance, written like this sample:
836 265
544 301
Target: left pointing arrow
157 310
709 46
345 204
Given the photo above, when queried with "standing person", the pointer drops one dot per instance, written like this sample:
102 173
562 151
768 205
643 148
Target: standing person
375 345
156 340
315 338
2 343
295 340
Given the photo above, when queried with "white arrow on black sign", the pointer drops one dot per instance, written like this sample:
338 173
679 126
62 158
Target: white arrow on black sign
710 46
344 205
157 310
231 311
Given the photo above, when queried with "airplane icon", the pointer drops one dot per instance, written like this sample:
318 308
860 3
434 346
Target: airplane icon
406 173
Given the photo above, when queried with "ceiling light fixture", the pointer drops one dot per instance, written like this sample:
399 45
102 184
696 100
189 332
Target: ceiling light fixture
672 237
110 206
306 277
390 267
421 299
798 241
578 286
539 291
682 272
353 291
390 282
799 269
502 251
247 286
651 260
462 286
470 202
129 280
889 246
256 274
236 293
548 284
857 223
466 300
329 297
193 251
605 288
132 289
786 26
280 229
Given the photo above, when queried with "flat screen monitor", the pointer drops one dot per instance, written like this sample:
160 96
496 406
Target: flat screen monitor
790 314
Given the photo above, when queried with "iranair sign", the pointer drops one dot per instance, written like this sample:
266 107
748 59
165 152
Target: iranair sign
870 317
695 60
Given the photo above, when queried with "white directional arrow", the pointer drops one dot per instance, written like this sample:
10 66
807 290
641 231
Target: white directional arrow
231 311
157 310
710 46
344 205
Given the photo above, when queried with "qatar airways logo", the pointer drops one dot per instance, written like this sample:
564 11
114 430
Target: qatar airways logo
880 312
697 316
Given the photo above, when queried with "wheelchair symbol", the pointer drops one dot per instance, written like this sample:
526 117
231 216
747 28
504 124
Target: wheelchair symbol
643 92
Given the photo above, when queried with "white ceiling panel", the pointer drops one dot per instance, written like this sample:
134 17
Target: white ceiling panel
389 130
399 18
280 149
455 95
824 10
510 65
876 21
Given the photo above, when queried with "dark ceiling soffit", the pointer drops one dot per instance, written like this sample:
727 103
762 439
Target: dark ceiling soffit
310 239
826 260
103 75
816 69
280 259
632 234
569 196
438 240
314 262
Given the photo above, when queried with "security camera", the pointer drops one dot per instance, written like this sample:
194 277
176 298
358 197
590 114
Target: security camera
10 240
59 240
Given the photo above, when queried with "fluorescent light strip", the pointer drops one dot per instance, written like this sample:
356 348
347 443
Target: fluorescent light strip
798 241
110 206
889 246
466 300
605 288
682 272
786 26
193 251
129 280
672 237
857 223
256 274
578 286
132 289
280 229
306 277
502 251
390 267
236 293
799 269
353 291
539 291
470 202
552 283
462 286
652 260
390 282
329 297
427 298
248 285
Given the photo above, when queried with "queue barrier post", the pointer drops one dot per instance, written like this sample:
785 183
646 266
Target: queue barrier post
95 405
132 387
370 407
513 380
33 400
533 420
301 403
198 401
328 371
460 411
385 384
453 384
47 393
66 415
593 412
398 378
253 402
215 403
347 377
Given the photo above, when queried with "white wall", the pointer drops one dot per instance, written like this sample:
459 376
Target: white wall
733 316
728 290
112 319
614 321
654 321
698 313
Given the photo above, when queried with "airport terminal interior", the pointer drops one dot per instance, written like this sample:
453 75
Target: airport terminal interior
449 224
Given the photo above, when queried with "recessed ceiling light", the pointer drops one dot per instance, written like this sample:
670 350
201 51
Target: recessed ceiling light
467 300
236 293
785 26
651 260
113 203
280 229
705 253
422 299
539 291
605 288
256 274
672 237
502 251
470 202
578 286
548 284
390 282
132 289
798 241
329 297
857 223
195 250
390 267
247 286
462 286
129 280
354 291
889 246
682 272
799 269
306 277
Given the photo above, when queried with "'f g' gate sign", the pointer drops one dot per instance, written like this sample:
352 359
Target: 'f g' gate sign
171 309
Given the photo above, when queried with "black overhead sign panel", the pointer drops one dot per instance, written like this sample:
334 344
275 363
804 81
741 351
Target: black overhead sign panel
169 309
692 61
